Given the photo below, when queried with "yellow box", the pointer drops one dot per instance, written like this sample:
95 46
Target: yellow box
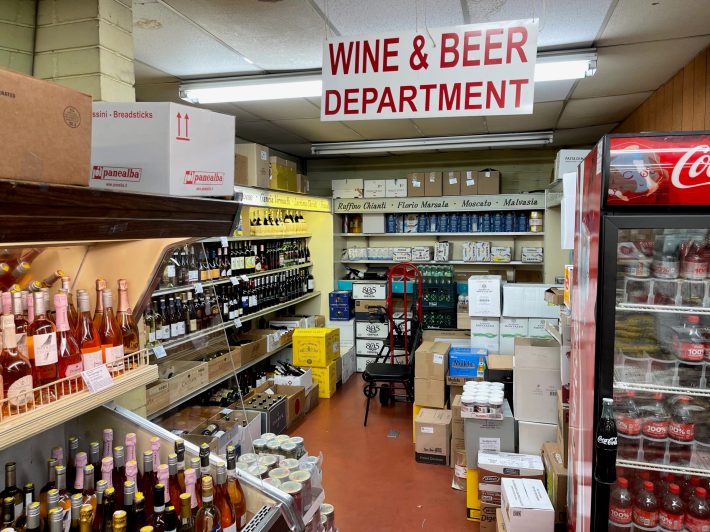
326 379
415 410
473 503
569 272
318 346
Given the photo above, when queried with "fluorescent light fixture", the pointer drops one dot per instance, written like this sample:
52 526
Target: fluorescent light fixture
557 66
550 66
468 142
253 88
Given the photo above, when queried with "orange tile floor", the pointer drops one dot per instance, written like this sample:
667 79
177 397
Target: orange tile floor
372 479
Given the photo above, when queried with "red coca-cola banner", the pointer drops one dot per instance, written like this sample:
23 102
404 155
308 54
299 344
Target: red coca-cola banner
659 170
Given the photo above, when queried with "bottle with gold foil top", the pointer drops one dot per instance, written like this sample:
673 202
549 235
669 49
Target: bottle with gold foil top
208 517
21 324
187 522
16 370
129 329
99 312
85 514
119 521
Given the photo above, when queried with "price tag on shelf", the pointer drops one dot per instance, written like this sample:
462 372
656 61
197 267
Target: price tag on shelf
237 322
97 379
198 288
223 241
234 280
159 351
269 391
244 278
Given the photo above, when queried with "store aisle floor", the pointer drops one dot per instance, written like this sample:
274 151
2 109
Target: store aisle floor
372 479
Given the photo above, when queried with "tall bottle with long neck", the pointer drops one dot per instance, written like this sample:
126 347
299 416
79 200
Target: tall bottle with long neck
72 313
208 518
85 514
164 479
190 479
68 350
148 484
109 507
64 494
21 324
129 492
76 502
73 446
11 490
33 519
16 370
222 500
89 491
234 489
110 334
187 522
50 485
87 334
129 329
107 470
158 508
42 345
130 446
55 520
108 443
28 497
172 482
118 475
139 509
81 460
180 456
99 311
98 520
155 451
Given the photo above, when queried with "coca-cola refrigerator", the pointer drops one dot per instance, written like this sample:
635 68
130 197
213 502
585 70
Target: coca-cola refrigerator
641 336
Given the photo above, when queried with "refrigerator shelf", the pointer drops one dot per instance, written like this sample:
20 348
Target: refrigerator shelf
661 309
671 390
648 466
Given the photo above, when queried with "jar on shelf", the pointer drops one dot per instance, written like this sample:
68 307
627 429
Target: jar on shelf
536 225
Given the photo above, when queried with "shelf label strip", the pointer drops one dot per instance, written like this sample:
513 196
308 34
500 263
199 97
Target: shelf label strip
282 200
443 204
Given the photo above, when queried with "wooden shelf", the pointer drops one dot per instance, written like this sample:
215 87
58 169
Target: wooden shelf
22 426
436 235
217 381
446 262
47 213
247 238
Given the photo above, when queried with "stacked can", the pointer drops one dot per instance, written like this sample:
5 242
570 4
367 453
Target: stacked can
486 398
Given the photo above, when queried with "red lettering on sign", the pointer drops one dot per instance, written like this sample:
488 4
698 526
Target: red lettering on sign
407 93
340 58
490 46
517 44
387 101
369 95
371 56
471 94
449 45
518 83
386 66
427 94
498 96
350 101
331 95
469 47
449 101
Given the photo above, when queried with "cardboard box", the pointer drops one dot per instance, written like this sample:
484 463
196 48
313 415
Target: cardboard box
347 331
189 376
415 412
532 254
157 396
501 253
396 188
369 346
432 360
415 185
375 188
369 290
527 300
340 297
402 254
469 183
371 329
274 419
45 132
303 184
256 169
373 223
340 312
567 162
451 185
463 320
510 329
488 517
488 182
536 380
295 401
456 419
326 379
489 435
369 309
536 328
532 436
283 174
433 429
443 251
253 349
149 147
362 361
347 188
219 366
494 467
311 397
422 253
526 505
304 381
555 480
433 185
473 503
555 295
429 392
500 525
484 294
485 333
562 427
315 346
349 360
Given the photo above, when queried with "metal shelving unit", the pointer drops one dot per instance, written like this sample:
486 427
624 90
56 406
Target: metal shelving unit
246 238
443 263
434 235
665 468
661 309
651 388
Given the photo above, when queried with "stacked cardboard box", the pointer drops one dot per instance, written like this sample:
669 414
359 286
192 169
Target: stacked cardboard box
318 348
458 441
555 479
430 368
433 434
526 506
562 427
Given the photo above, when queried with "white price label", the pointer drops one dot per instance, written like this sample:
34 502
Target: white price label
234 281
438 359
269 391
489 444
237 322
223 241
159 351
427 430
97 379
244 278
198 288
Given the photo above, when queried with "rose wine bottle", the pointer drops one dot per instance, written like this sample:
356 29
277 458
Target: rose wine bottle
87 335
110 334
99 312
21 324
129 329
223 502
42 345
68 349
16 370
234 489
208 518
108 443
89 491
30 304
71 309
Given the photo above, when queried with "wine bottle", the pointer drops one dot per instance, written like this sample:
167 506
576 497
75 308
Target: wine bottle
191 319
208 517
73 447
72 313
107 470
148 484
42 346
50 485
21 324
87 335
170 519
33 520
118 474
164 479
110 334
64 500
8 512
109 507
95 455
129 491
80 462
158 522
108 443
16 370
68 351
132 473
130 446
55 520
190 479
187 523
28 497
89 491
76 503
99 312
234 489
98 520
11 490
155 452
149 325
85 514
129 329
222 500
139 505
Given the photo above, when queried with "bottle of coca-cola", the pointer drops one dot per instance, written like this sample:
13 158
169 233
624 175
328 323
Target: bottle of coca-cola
606 442
689 348
645 509
654 427
697 517
638 482
672 513
687 489
620 507
661 485
681 431
628 424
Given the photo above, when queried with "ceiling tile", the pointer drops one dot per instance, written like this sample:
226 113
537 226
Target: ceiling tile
544 117
581 136
284 35
147 74
553 91
593 111
282 109
168 42
654 20
299 150
638 67
232 109
435 127
264 132
384 129
316 131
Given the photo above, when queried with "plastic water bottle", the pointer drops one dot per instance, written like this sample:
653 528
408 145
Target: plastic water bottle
474 223
522 222
486 222
497 222
433 223
509 222
454 224
443 223
464 222
391 223
422 223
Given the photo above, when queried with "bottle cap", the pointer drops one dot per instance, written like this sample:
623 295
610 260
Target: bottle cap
622 482
674 488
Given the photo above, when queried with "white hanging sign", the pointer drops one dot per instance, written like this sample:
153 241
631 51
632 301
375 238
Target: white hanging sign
471 70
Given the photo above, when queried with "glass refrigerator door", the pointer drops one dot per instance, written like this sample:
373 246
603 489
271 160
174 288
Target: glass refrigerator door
661 379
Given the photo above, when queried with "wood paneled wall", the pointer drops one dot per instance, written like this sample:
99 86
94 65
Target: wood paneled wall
681 104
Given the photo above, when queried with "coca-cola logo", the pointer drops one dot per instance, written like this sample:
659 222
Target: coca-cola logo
697 162
611 442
